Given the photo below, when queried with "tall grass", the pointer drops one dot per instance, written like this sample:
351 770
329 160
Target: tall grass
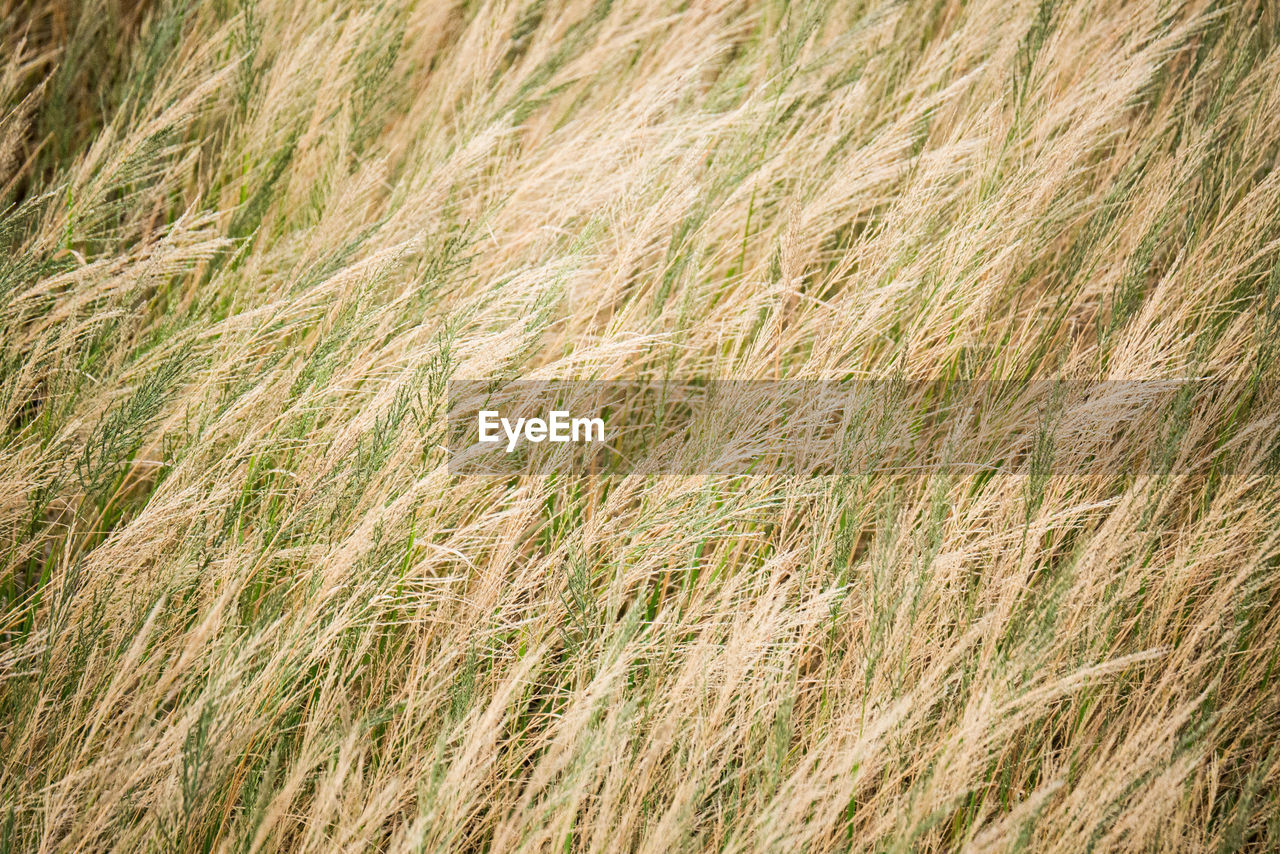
244 604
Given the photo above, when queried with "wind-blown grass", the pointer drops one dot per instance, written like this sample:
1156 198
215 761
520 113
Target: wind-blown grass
244 604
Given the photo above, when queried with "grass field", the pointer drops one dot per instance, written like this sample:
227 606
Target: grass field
247 245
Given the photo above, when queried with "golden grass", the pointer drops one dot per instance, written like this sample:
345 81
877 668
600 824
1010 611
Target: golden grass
244 605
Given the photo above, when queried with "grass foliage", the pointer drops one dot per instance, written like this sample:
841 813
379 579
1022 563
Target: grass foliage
246 244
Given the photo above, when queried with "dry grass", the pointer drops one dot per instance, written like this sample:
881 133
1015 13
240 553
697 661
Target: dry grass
246 243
